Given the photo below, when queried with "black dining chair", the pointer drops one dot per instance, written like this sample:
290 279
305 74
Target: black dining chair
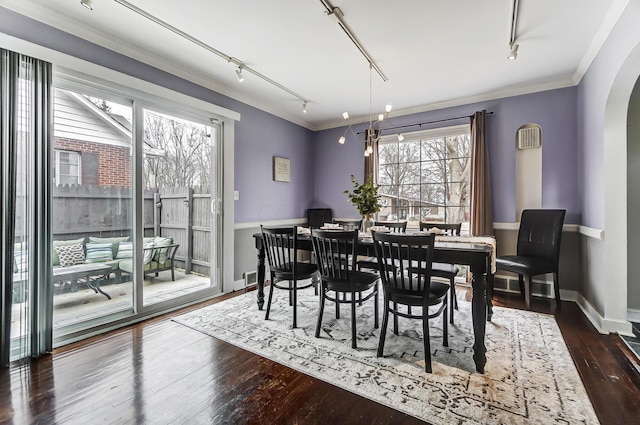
537 251
316 217
341 283
405 270
445 270
281 250
348 224
393 226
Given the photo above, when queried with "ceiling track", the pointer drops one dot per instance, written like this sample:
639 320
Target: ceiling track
337 14
205 46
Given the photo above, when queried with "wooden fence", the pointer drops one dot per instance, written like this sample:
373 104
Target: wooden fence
183 214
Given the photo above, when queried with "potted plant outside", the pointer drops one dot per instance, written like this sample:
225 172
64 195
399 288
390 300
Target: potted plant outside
366 199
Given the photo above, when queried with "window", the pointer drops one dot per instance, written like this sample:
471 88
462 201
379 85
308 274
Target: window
425 177
67 168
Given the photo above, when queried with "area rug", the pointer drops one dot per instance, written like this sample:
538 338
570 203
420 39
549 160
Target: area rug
529 377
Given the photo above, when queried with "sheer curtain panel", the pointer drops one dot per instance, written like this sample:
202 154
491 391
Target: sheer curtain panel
25 128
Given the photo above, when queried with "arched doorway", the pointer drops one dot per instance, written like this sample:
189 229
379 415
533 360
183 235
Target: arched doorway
616 190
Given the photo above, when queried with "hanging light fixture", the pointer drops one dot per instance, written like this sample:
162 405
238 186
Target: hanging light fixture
87 3
372 134
304 107
513 46
239 74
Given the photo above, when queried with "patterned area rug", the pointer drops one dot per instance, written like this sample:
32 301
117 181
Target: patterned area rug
529 377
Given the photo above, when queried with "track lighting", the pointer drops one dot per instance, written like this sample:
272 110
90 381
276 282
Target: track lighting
87 3
400 137
345 115
239 74
342 139
304 107
513 54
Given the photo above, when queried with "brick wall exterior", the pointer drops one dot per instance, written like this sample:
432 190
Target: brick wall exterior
114 162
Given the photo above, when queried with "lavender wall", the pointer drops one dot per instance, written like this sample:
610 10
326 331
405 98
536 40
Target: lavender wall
593 93
258 135
554 110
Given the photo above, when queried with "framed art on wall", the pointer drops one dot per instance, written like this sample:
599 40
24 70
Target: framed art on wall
281 169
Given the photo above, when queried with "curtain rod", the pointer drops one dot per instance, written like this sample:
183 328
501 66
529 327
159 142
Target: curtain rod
423 123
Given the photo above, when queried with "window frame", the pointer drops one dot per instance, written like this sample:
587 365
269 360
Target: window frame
56 166
419 136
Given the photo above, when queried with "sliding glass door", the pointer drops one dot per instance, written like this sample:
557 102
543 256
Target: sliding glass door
180 192
92 208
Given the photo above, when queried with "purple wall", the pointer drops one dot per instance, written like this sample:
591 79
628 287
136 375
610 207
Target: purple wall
258 135
554 110
593 93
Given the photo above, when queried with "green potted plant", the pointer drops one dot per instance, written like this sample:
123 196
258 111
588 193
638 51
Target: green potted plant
366 199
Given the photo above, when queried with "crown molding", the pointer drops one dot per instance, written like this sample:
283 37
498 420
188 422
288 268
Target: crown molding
610 20
500 94
105 40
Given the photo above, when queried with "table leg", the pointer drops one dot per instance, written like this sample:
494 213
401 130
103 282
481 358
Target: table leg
260 278
95 285
490 282
479 314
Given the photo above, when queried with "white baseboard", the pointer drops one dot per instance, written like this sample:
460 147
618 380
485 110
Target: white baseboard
237 285
633 315
602 324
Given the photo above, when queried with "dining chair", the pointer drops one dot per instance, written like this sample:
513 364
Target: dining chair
316 217
341 283
281 250
348 224
393 226
405 263
444 270
537 251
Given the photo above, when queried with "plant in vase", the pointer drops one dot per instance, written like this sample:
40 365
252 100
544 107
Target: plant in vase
366 199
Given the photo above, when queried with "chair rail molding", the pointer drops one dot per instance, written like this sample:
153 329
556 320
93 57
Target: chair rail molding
253 224
576 228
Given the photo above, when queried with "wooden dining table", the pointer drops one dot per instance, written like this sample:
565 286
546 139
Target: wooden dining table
470 251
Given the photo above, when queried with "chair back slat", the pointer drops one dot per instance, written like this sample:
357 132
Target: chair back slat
280 247
405 261
335 252
540 233
450 229
394 226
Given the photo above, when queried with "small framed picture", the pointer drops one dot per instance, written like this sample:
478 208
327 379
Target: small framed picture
281 169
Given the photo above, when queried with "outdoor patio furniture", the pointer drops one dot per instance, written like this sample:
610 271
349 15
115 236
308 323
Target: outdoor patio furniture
156 259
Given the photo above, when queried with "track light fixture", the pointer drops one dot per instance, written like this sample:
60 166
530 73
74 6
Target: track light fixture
371 134
239 74
304 107
87 3
513 46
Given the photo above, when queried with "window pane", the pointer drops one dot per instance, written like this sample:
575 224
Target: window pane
426 178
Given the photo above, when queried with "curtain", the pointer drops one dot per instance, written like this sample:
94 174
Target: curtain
25 128
371 161
481 214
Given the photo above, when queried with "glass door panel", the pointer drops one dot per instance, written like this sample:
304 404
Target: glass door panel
92 210
178 207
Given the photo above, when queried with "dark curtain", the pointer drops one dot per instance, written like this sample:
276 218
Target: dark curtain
481 220
25 129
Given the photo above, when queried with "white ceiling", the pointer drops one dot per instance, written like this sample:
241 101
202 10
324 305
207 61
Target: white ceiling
435 53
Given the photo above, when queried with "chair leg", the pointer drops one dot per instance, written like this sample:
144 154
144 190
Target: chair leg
445 326
353 319
453 302
295 303
556 286
337 305
527 291
395 318
425 337
321 312
266 316
521 283
375 307
383 330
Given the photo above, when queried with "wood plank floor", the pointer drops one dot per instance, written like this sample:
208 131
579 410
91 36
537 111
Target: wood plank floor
159 372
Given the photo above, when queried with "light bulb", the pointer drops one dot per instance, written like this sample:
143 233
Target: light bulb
370 149
341 140
345 115
380 117
239 75
304 107
388 108
366 153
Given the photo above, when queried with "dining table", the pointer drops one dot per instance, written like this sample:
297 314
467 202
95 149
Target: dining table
476 252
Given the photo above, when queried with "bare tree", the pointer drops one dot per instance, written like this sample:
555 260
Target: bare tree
187 152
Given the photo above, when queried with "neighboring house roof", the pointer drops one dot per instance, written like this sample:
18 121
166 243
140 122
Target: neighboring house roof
76 117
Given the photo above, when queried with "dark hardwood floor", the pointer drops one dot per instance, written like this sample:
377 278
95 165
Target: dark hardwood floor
159 372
